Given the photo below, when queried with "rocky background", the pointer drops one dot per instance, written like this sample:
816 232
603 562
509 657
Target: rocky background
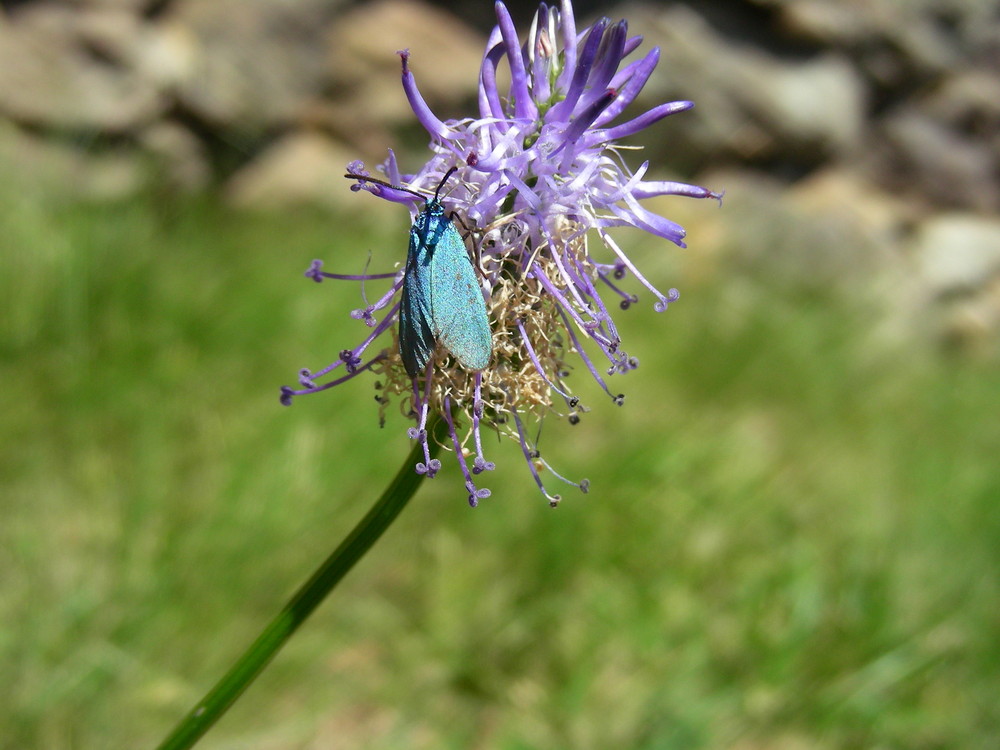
858 140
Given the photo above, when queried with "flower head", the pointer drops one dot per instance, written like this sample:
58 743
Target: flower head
537 175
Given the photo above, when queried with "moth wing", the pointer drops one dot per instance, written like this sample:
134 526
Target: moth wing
458 312
416 336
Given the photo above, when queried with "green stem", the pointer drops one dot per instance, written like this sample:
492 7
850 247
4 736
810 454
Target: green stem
218 700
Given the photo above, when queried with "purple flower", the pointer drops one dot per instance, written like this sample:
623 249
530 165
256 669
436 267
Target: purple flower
538 175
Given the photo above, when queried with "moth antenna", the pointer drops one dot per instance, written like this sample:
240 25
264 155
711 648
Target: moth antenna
377 181
444 179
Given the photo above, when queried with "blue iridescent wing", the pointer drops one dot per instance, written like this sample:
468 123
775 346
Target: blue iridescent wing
416 337
458 312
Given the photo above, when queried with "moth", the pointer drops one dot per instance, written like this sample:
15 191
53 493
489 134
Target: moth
442 302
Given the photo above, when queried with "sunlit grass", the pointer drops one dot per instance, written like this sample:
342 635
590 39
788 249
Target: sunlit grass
791 540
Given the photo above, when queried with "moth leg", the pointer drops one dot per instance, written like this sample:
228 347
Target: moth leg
455 217
477 235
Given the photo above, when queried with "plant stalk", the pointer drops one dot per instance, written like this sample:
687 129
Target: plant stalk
218 700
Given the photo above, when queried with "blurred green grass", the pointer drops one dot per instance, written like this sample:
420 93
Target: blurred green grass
791 539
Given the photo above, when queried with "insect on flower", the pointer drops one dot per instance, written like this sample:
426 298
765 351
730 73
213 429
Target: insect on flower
540 169
441 300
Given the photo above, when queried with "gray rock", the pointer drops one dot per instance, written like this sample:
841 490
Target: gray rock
49 77
973 323
112 34
135 7
750 104
968 98
50 168
249 65
891 40
178 158
445 56
302 168
834 232
957 262
957 252
819 102
921 154
831 23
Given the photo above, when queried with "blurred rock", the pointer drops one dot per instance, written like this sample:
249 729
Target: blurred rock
829 23
445 56
818 102
750 104
841 197
968 99
957 257
973 322
834 233
300 169
51 77
351 126
893 41
55 169
110 33
178 158
918 151
249 65
136 7
957 252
